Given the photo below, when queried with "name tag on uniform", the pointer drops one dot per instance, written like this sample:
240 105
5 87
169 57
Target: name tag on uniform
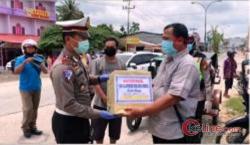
129 89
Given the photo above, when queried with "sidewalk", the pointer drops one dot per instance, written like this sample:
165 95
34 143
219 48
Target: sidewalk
7 76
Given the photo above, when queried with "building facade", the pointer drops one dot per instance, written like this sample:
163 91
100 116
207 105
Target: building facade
22 19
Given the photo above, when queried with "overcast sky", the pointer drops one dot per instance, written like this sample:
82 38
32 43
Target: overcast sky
232 17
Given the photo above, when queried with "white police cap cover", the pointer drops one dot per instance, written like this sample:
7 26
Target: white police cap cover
80 25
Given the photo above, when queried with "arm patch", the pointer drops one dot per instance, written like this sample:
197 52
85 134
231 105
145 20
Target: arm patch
67 74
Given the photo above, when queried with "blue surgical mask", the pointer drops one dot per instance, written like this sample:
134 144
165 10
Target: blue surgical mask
189 47
83 47
168 48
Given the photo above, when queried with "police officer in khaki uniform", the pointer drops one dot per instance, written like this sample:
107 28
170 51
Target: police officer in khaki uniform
71 82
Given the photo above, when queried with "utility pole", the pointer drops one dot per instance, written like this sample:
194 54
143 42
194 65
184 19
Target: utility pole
128 8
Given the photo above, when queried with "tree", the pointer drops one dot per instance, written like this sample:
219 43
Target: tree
68 11
135 27
51 39
52 36
216 39
122 29
99 34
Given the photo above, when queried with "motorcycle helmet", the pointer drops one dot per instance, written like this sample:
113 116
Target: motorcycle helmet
28 42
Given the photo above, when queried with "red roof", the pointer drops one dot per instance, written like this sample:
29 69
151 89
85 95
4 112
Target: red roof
11 38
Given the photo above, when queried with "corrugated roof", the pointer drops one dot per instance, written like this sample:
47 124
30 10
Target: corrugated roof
154 38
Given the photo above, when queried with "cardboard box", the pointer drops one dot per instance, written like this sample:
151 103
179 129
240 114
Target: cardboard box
129 89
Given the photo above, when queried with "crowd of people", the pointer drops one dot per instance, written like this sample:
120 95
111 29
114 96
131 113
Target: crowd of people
178 88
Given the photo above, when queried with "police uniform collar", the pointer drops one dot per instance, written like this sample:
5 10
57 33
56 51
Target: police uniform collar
73 55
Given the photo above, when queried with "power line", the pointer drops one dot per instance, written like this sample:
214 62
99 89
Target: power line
147 16
101 3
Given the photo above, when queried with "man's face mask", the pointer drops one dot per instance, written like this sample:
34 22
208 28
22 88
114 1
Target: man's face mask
168 48
110 51
189 47
83 46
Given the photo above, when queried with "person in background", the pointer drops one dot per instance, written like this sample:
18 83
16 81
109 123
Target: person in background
229 70
49 62
29 67
86 60
106 65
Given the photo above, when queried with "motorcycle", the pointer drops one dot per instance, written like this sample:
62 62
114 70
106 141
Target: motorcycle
241 135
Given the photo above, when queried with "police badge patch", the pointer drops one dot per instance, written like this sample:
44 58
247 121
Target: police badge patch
67 74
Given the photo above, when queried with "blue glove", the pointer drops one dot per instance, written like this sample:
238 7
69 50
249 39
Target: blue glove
103 78
107 115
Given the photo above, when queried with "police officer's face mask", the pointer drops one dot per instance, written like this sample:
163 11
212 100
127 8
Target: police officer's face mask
83 46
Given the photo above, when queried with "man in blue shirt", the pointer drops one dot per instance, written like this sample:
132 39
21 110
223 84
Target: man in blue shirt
29 66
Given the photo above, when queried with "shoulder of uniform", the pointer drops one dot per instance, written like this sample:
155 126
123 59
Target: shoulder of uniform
63 71
61 67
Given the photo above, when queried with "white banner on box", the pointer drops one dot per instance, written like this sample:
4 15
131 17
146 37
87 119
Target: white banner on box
136 89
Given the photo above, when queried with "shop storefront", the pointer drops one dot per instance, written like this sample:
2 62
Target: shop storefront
20 20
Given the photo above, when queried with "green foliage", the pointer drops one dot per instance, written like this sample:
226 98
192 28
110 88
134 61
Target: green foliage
135 27
235 106
99 34
51 38
69 11
216 39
